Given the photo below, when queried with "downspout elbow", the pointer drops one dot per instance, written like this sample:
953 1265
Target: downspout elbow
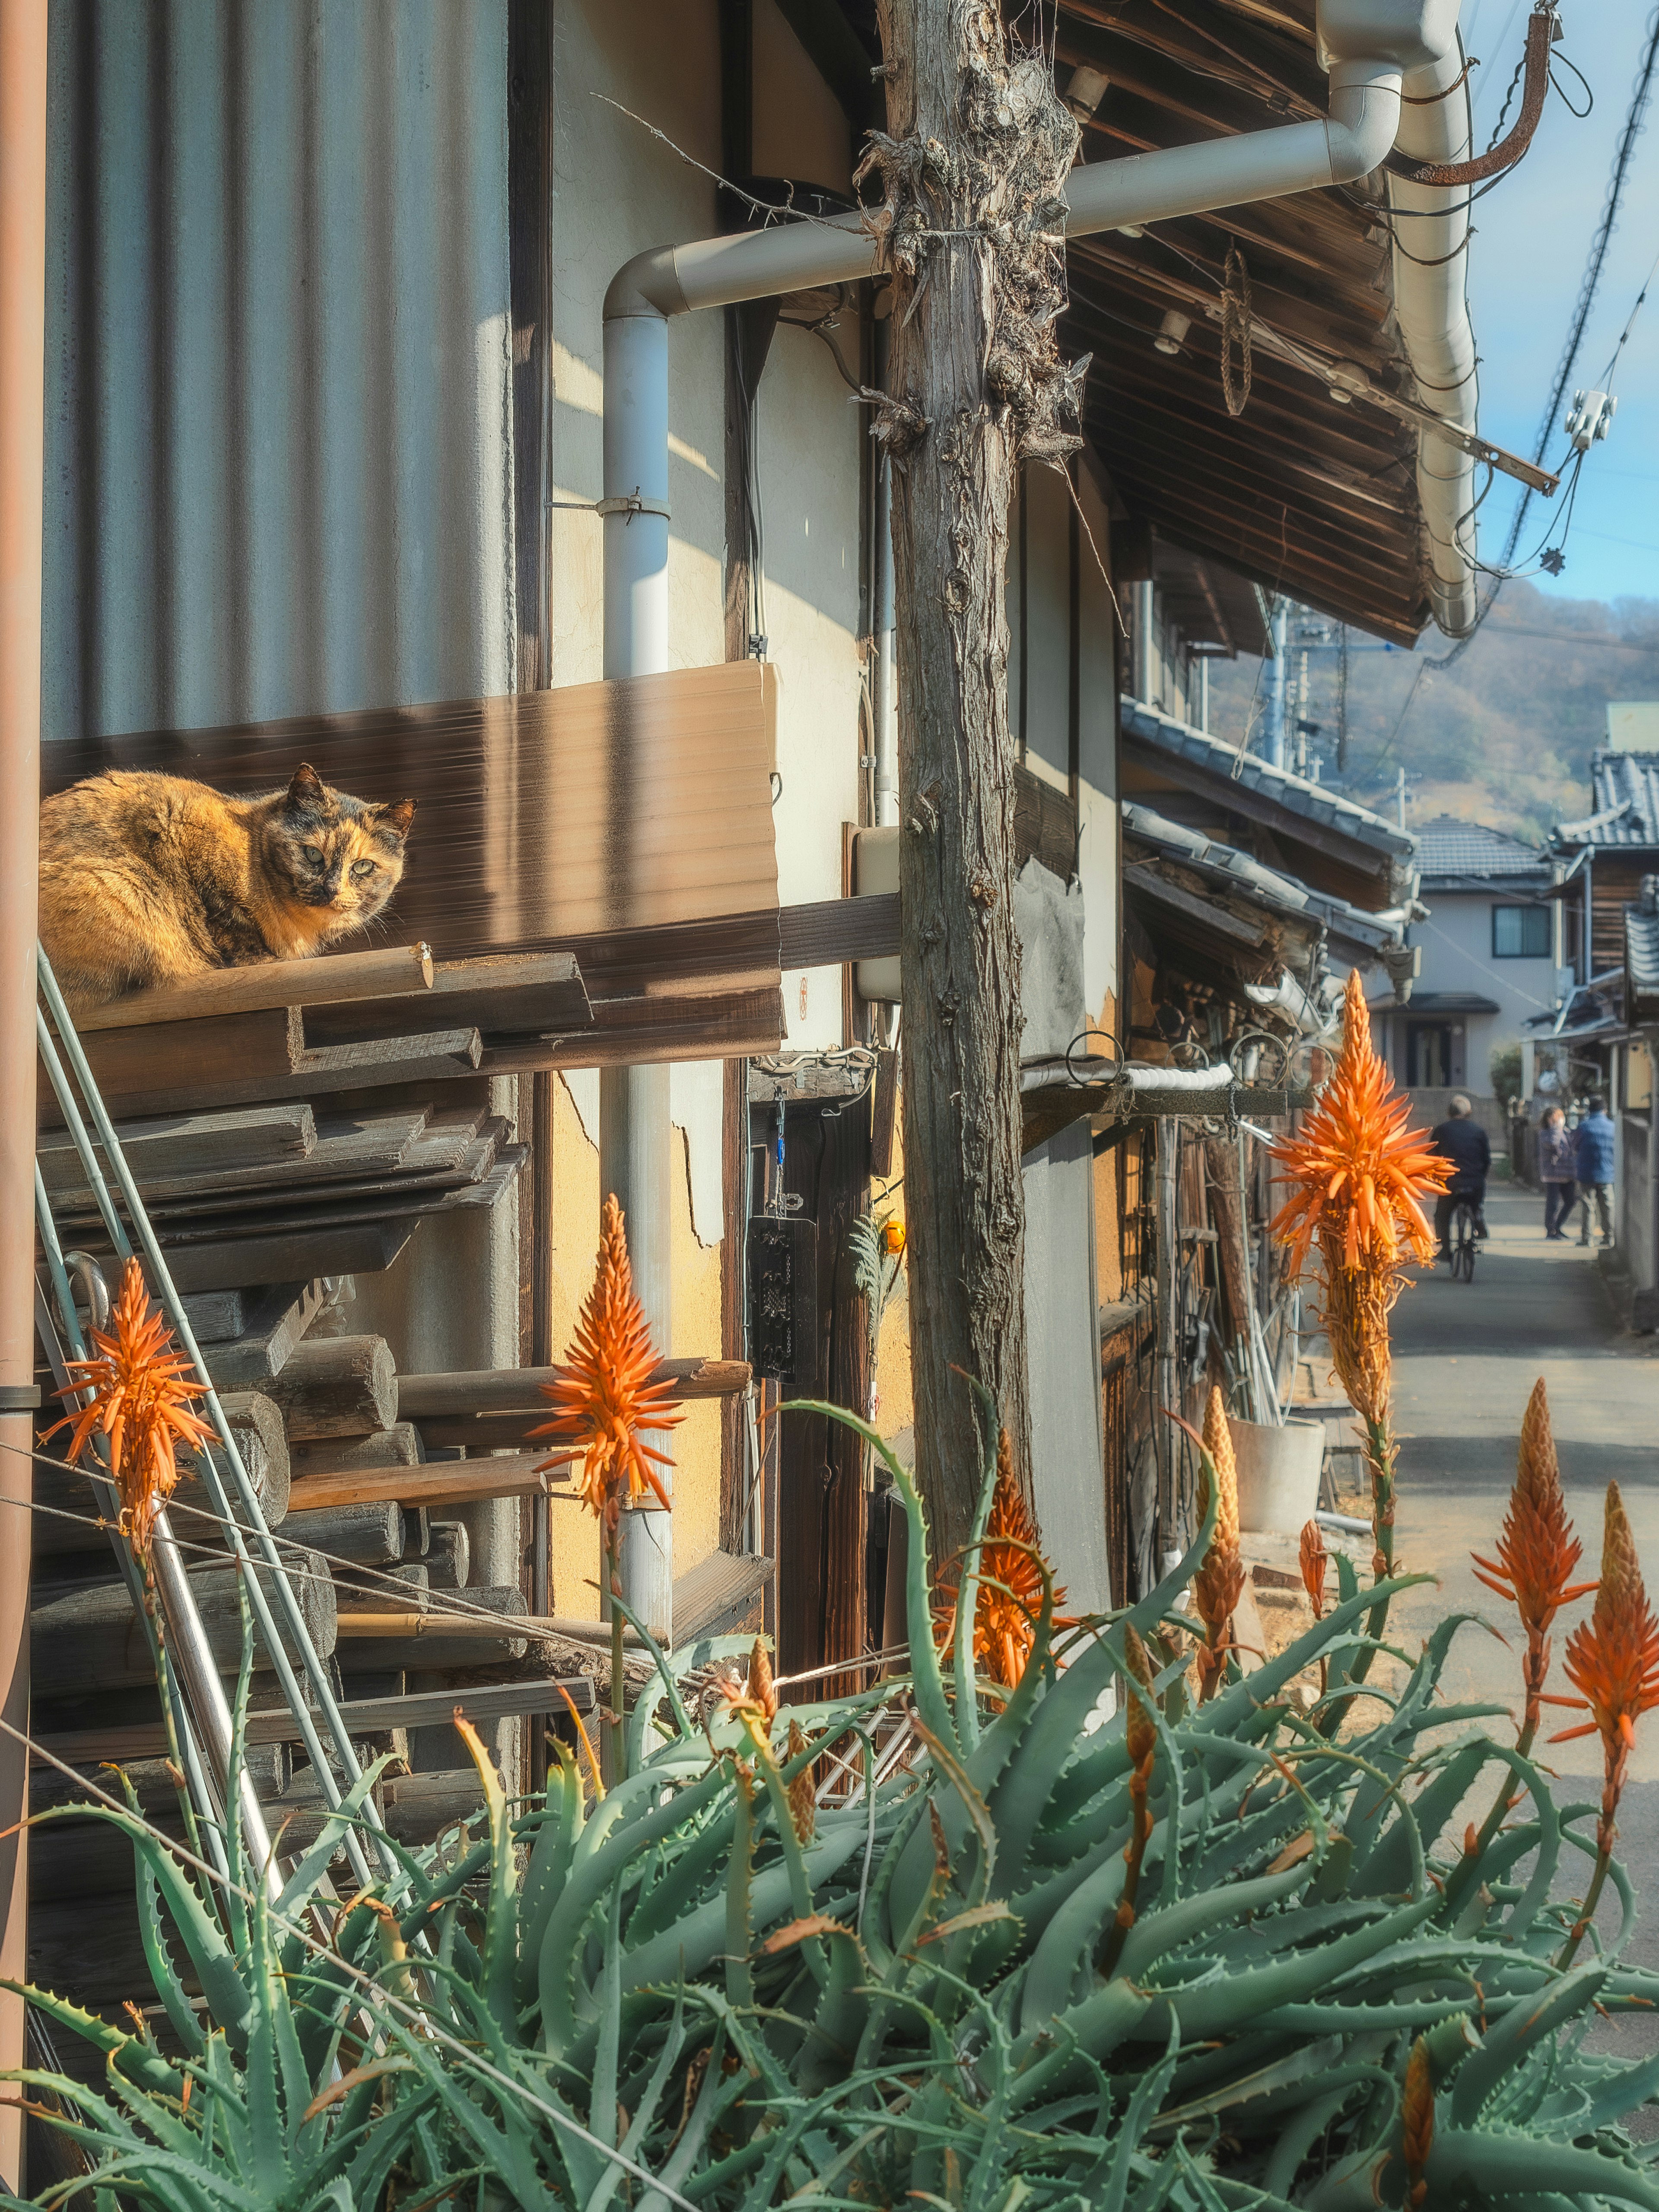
649 284
1363 119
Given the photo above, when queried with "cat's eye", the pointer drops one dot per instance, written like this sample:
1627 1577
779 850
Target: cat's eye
313 853
361 868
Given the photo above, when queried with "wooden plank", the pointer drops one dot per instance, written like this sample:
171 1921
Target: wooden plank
508 995
317 1078
189 1144
462 1045
389 968
278 1317
1219 919
718 1594
492 1701
627 1032
883 1113
90 1641
828 932
362 1248
342 1148
309 1215
470 1391
237 1049
448 1158
216 1317
441 1482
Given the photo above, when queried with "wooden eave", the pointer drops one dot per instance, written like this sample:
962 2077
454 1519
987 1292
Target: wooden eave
1302 494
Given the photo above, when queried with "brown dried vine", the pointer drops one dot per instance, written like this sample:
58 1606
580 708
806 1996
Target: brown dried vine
1004 185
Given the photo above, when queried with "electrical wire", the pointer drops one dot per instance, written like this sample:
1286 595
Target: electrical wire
1591 284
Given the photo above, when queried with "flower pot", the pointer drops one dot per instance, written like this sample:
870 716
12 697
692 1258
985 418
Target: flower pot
1277 1474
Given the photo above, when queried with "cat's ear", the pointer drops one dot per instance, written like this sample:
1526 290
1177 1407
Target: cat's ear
397 817
306 790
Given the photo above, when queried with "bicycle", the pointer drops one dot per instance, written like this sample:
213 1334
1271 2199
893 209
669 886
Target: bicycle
1463 1241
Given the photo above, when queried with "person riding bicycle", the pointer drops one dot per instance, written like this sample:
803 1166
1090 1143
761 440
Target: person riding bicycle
1460 1140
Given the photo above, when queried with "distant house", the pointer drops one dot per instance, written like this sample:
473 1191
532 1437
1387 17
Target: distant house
1489 956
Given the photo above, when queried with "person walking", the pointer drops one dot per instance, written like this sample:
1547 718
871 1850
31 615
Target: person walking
1592 1160
1555 1172
1462 1141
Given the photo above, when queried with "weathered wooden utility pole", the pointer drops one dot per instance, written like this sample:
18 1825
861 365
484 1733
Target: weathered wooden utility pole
973 163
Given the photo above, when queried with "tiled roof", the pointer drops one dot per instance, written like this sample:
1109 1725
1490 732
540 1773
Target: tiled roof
1642 951
1314 802
1283 892
1448 846
1625 792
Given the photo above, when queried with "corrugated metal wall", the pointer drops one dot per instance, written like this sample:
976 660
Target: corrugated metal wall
279 409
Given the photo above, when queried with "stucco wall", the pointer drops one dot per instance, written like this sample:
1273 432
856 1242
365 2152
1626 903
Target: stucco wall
1457 955
619 191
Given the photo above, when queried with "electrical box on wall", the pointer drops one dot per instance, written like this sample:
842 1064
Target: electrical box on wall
783 1298
876 870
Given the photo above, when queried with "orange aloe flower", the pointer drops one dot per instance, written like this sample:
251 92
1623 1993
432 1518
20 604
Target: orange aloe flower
1010 1594
1219 1582
1537 1551
1612 1658
142 1390
1359 1173
604 1399
1417 2121
1357 1177
1613 1662
1314 1562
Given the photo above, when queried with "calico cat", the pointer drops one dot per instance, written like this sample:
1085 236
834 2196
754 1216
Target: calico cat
146 879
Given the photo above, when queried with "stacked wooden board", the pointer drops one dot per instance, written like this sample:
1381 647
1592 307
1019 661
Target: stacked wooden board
245 1198
386 1590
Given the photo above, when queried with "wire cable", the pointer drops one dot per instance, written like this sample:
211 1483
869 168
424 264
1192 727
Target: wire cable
1640 95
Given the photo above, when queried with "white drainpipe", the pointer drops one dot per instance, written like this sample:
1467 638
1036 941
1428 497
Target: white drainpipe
1371 45
1432 309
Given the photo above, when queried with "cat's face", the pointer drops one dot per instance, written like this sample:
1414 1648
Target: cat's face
330 850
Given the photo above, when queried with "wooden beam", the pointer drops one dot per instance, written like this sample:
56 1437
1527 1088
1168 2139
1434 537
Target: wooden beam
1150 884
493 1390
828 932
440 1482
389 971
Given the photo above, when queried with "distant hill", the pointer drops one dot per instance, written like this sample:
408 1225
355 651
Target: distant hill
1504 736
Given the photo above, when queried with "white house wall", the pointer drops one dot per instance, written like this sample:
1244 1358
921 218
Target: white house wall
1045 661
1457 955
618 191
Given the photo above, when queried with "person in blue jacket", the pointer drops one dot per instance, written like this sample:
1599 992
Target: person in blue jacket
1592 1159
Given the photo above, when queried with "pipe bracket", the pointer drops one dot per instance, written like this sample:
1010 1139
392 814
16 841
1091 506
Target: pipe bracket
631 504
19 1397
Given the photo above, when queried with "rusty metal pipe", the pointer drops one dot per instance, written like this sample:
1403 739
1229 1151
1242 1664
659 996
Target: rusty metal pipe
22 400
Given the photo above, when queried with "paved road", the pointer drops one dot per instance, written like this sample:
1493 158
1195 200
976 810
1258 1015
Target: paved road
1467 1356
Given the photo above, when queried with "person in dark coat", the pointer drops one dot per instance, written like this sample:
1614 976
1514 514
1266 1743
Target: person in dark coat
1592 1160
1460 1140
1556 1172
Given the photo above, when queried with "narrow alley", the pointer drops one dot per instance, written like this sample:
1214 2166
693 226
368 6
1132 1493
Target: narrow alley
1465 1358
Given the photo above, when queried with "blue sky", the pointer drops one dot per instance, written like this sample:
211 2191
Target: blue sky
1533 235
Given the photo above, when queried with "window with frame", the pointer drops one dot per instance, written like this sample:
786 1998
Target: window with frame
1521 932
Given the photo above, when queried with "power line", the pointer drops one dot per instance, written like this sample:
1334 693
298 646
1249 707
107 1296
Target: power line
1592 277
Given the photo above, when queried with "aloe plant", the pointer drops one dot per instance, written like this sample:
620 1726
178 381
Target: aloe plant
696 1991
